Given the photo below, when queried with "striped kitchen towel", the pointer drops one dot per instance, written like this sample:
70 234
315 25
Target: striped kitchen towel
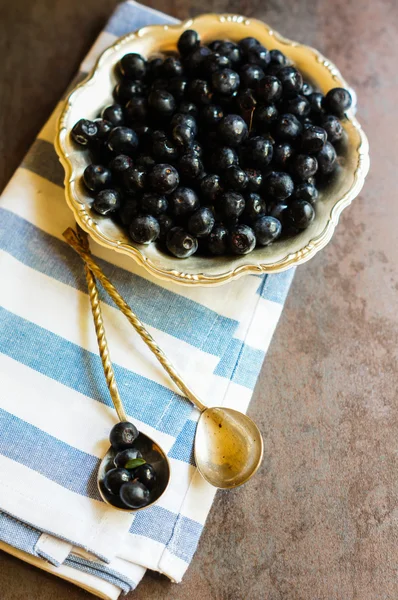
55 411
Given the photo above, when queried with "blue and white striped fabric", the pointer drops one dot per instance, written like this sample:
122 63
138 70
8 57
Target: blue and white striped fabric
55 411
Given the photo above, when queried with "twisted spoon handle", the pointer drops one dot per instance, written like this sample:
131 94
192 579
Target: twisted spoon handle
101 337
75 243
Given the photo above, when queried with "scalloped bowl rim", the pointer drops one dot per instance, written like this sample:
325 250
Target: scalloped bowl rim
176 275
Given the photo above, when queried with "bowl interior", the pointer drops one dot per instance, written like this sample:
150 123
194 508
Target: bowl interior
89 98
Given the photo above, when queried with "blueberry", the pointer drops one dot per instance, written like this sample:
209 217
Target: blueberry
190 166
172 67
258 55
188 108
316 102
278 58
298 106
235 178
246 101
223 157
279 185
211 115
282 154
201 222
84 132
197 149
184 119
188 41
123 435
232 130
304 166
250 75
269 89
242 239
232 204
122 140
134 179
291 79
123 457
120 164
103 129
144 135
145 161
163 149
183 136
279 211
177 87
180 243
225 82
217 242
97 177
198 90
215 61
162 103
300 214
164 179
159 84
136 110
165 223
115 478
307 192
288 128
254 179
327 158
154 204
313 138
113 114
265 117
183 201
134 494
231 51
144 229
337 101
126 89
154 68
247 43
194 62
211 188
214 45
128 211
106 202
258 152
133 66
146 475
333 127
307 89
267 230
254 206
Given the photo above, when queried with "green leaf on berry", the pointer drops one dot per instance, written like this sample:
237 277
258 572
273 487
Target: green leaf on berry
134 463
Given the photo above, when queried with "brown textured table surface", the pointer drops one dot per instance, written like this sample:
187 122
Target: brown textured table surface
320 521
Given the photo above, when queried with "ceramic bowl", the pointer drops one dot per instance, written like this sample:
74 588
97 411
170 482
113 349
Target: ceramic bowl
95 92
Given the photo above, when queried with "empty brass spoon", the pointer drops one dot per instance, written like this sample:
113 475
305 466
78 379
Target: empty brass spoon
228 444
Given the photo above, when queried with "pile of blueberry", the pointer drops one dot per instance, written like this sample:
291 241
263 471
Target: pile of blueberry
218 148
132 480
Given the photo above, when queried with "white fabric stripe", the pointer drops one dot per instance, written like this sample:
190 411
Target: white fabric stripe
54 509
142 550
47 399
90 583
57 549
49 299
102 42
133 571
172 565
259 337
33 198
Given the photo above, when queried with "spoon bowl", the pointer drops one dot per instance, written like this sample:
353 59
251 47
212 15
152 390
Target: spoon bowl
228 447
154 455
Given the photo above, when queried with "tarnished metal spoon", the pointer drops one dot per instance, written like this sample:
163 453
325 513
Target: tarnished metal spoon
228 444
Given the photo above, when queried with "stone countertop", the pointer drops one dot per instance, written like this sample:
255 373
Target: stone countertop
319 522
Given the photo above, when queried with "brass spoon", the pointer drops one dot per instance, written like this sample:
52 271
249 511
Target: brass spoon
228 444
149 449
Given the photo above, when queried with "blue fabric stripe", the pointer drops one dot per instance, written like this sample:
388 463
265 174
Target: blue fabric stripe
275 287
102 571
183 446
81 370
168 311
17 534
130 17
43 160
185 538
28 445
241 364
